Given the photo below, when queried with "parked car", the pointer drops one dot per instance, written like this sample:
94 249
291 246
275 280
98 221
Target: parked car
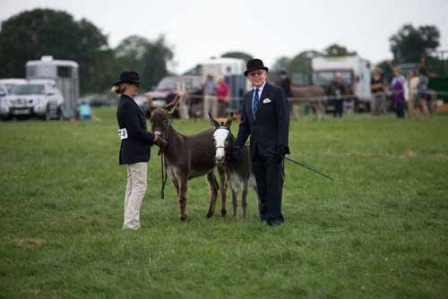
169 86
8 84
142 102
3 91
40 98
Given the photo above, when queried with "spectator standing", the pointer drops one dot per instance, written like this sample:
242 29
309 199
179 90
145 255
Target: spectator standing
422 91
411 92
378 92
285 83
85 112
210 102
222 94
135 148
338 92
397 85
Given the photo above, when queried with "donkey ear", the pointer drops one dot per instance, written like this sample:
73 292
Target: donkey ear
229 120
171 106
213 122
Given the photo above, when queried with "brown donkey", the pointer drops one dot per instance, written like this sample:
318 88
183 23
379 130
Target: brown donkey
187 157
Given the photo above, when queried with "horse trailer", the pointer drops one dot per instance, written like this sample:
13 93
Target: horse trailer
65 74
232 70
354 71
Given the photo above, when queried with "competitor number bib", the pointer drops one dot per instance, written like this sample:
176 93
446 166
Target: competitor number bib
123 134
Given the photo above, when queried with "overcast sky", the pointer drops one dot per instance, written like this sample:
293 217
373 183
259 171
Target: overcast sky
267 29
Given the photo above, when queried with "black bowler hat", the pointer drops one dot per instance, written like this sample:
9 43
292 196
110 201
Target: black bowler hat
128 77
255 64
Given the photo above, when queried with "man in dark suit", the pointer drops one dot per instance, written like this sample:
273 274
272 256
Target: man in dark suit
265 117
135 146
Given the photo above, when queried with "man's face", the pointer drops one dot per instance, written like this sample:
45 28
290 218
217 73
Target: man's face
257 77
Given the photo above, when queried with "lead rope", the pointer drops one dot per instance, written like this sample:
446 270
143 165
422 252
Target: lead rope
164 175
163 169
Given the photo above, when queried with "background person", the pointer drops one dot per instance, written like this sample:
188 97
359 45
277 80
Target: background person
222 94
135 146
285 83
210 103
378 92
397 85
422 90
265 117
338 91
411 92
84 111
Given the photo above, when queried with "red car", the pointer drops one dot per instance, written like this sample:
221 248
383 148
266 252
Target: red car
168 87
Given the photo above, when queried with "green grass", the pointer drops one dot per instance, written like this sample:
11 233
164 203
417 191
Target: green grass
378 231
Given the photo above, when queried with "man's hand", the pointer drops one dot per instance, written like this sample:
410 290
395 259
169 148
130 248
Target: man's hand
279 155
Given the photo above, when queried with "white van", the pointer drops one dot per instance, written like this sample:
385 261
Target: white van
40 98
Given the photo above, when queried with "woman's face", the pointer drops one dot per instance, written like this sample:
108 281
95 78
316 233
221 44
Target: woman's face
132 90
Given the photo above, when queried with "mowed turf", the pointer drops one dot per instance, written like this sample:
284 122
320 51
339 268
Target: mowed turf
379 230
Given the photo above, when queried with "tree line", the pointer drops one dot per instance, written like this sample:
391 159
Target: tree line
32 34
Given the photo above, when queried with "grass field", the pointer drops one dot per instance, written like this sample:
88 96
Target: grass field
380 230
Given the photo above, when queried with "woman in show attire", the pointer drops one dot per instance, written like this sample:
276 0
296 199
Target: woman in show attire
135 148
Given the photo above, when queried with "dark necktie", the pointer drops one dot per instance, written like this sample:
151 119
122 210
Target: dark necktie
255 103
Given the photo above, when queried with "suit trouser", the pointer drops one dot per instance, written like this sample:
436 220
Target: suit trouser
135 191
269 178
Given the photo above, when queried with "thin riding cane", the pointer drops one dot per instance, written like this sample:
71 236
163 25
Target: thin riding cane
309 168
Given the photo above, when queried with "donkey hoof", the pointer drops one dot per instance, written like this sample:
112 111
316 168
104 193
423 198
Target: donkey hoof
183 218
223 212
209 215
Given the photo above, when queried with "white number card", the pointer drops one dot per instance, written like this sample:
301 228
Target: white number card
123 133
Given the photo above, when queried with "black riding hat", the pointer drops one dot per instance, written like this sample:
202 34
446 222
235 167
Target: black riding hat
128 77
255 64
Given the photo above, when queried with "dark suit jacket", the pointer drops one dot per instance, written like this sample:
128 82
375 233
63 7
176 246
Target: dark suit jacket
136 147
269 129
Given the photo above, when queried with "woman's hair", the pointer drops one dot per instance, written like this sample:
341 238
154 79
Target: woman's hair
119 88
